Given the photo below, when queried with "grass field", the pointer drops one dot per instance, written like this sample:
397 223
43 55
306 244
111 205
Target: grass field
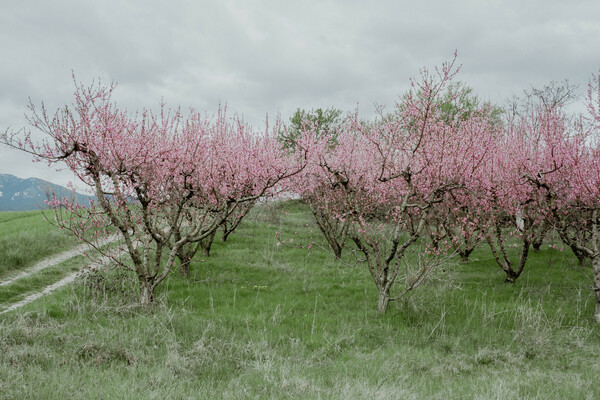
257 320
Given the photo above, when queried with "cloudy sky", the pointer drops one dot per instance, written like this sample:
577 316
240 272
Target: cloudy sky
273 56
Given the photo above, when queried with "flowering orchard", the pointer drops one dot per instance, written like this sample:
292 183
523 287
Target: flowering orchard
162 181
568 179
459 177
440 169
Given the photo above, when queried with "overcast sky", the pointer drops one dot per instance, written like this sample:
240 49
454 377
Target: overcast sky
273 57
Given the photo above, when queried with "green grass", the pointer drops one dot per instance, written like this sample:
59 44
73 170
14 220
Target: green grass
26 238
257 320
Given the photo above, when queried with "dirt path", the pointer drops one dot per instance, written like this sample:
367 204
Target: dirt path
50 288
57 259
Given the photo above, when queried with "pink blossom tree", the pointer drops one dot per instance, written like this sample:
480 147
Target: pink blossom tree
314 188
244 165
322 127
508 210
570 183
385 176
161 181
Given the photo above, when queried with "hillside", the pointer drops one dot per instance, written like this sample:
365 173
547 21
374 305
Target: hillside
17 194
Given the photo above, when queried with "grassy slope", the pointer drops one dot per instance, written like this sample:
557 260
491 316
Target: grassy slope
261 321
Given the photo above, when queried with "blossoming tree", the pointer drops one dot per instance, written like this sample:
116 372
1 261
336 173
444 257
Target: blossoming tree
161 181
385 177
571 184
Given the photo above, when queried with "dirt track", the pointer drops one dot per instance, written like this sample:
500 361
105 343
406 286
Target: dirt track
49 262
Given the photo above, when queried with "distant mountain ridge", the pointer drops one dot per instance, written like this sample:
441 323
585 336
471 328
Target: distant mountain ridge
17 194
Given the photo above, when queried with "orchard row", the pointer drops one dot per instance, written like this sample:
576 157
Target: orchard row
441 165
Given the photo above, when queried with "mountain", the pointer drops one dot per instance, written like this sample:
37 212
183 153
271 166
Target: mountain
18 194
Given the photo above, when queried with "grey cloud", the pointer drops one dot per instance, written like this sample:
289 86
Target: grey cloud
273 56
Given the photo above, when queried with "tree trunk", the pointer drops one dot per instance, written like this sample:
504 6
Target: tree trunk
539 232
146 293
331 230
337 252
464 255
581 257
225 235
184 267
511 276
185 255
502 259
206 244
596 268
206 250
384 299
